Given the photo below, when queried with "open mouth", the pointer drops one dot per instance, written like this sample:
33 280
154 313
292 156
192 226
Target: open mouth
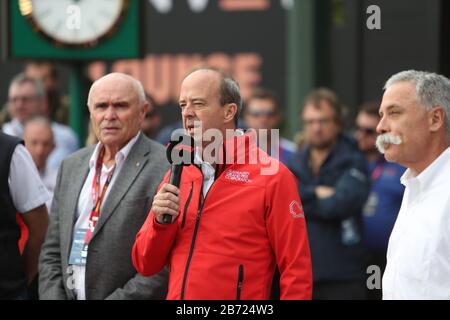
191 128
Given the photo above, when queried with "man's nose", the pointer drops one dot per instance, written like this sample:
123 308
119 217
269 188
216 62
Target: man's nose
188 111
110 113
39 150
382 126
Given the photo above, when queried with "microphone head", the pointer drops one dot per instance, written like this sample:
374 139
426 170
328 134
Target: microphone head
180 150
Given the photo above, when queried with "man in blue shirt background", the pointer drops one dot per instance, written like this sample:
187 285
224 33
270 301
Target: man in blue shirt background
334 185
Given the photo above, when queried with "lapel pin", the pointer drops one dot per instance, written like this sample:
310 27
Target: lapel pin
138 164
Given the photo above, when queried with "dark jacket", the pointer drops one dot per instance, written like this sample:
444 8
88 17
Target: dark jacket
12 276
335 223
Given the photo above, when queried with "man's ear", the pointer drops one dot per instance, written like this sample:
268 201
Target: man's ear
229 111
437 119
145 108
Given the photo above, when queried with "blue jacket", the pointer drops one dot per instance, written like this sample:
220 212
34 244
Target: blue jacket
383 205
335 223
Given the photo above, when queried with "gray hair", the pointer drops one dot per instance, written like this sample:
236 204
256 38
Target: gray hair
22 78
137 85
229 90
432 90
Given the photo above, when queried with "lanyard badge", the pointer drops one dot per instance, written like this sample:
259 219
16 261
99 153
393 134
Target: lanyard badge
78 253
96 196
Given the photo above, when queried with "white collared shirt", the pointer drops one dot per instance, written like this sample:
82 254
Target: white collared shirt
208 173
418 257
25 186
48 177
86 203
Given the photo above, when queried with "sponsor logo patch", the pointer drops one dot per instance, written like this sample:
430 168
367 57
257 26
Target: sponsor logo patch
296 210
239 176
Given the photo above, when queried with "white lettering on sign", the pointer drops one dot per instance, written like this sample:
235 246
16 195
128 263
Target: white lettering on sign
374 20
162 74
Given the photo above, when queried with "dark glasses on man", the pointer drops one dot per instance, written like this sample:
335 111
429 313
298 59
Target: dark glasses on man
365 130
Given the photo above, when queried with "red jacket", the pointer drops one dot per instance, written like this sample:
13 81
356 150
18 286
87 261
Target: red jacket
227 246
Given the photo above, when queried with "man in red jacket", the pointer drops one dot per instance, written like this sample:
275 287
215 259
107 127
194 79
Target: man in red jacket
234 218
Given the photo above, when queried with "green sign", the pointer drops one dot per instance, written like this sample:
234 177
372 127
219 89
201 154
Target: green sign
27 42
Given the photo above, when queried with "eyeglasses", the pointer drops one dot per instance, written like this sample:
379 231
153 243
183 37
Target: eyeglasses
260 113
366 131
24 99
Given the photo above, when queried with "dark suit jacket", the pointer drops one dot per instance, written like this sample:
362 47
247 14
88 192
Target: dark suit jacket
109 270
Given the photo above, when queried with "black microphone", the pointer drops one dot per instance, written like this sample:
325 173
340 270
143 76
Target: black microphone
184 156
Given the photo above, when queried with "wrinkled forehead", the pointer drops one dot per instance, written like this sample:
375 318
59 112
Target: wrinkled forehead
200 84
113 90
402 94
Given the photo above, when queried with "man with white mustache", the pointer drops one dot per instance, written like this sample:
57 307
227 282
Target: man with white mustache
415 133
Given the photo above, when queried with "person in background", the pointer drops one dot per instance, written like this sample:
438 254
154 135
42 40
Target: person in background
27 98
334 185
91 139
152 121
38 137
386 191
47 73
262 111
165 133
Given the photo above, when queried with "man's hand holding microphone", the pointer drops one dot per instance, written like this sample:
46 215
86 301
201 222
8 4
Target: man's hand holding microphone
166 203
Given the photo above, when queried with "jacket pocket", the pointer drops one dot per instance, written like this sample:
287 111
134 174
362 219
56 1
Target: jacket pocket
240 280
186 205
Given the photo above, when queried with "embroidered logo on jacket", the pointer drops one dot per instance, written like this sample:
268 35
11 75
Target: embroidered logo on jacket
296 210
239 176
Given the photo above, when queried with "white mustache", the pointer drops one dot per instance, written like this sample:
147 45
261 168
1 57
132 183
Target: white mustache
387 138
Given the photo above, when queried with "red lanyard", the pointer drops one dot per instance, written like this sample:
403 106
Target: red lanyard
93 218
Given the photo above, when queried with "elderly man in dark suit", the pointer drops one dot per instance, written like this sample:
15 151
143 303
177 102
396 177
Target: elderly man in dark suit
102 197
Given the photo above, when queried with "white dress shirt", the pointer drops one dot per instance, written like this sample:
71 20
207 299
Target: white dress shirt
25 186
48 177
418 257
208 173
86 204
